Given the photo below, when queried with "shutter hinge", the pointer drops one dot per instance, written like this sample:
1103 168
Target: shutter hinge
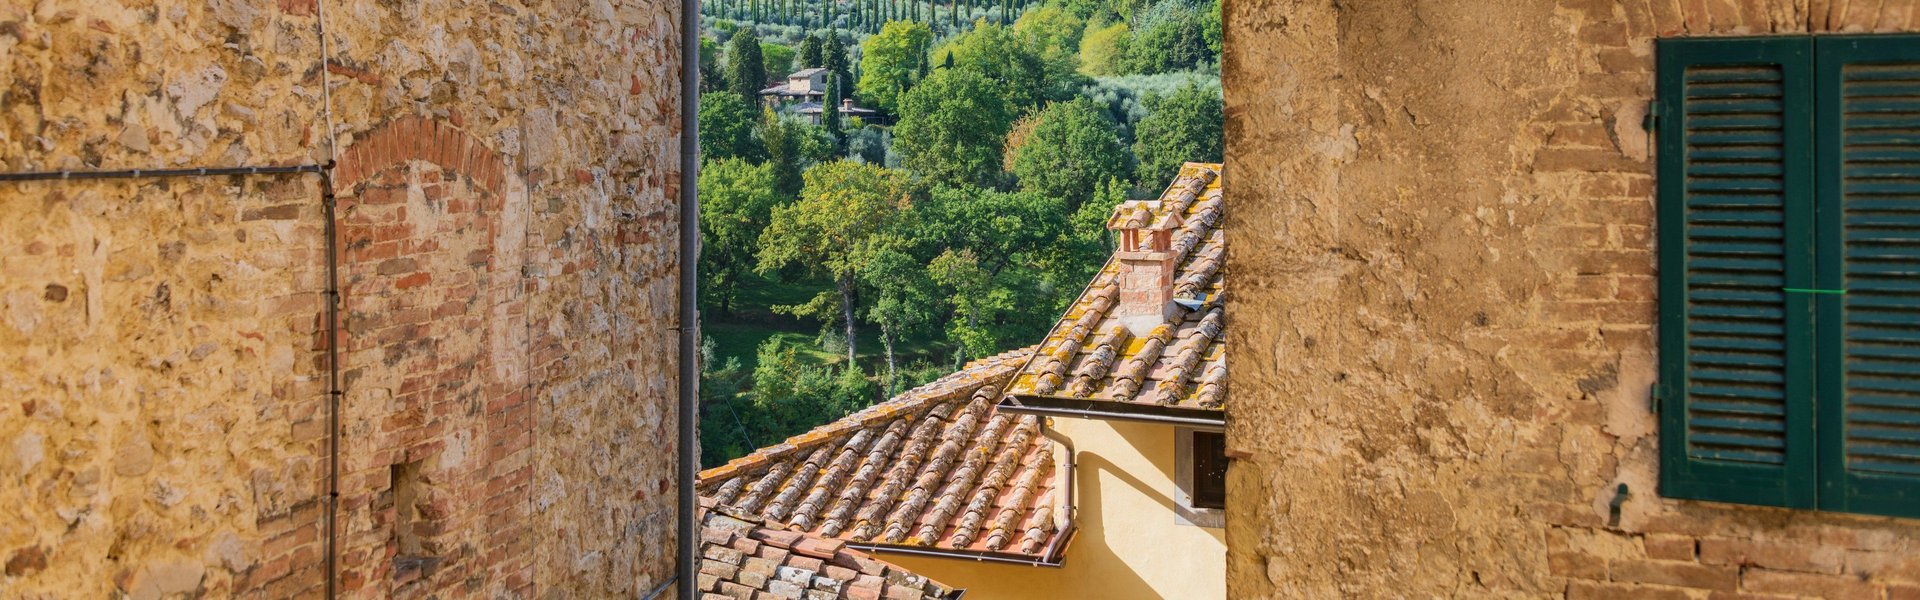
1652 120
1653 399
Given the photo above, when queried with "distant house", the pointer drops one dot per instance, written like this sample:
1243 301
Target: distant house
1090 466
805 85
812 111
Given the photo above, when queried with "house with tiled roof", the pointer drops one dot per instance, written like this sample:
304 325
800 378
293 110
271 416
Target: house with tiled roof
1089 466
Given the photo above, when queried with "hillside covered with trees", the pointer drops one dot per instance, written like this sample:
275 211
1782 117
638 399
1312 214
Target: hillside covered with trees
845 260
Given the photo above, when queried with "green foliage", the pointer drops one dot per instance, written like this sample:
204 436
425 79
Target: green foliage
726 127
835 61
724 433
998 255
787 396
746 71
779 61
797 395
890 61
792 145
1055 34
736 203
869 145
900 296
833 230
952 127
1210 27
1104 51
711 78
1171 37
1074 147
830 107
1181 127
810 53
1016 62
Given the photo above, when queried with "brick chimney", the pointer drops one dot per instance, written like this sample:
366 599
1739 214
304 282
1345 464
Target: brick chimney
1146 265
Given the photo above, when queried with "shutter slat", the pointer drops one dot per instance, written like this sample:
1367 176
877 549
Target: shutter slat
1885 417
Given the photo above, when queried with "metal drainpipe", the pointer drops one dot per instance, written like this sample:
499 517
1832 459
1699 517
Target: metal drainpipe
1049 431
689 318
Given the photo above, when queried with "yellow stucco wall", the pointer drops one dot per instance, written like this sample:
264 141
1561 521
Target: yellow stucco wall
1130 544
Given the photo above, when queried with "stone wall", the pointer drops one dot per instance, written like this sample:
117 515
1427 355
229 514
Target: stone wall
1443 310
507 224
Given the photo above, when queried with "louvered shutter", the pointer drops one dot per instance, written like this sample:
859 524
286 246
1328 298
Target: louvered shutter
1736 214
1868 154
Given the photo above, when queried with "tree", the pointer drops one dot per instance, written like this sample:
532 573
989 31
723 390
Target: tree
832 231
1181 127
810 52
952 127
1074 147
835 61
779 60
792 145
1000 257
1175 43
736 203
1053 31
746 71
901 299
996 52
726 128
1104 51
798 396
710 76
830 108
889 63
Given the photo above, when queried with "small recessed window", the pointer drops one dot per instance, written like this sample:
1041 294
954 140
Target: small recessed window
1201 471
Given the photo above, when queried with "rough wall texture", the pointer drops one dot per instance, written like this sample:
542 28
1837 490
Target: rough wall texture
507 228
1452 214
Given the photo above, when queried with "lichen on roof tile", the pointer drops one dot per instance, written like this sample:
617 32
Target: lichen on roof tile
1179 361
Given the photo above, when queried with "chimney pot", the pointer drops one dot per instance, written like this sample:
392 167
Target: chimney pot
1147 264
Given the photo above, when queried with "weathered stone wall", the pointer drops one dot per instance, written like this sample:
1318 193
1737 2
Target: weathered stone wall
1443 310
506 185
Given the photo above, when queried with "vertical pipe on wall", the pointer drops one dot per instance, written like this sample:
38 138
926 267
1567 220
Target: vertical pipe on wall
689 318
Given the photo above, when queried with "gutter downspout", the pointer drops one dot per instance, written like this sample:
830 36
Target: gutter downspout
689 317
1073 500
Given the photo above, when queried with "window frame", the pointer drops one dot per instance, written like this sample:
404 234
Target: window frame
1187 512
1815 473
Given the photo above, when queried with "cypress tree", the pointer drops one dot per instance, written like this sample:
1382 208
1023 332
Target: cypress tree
810 53
746 69
830 112
835 60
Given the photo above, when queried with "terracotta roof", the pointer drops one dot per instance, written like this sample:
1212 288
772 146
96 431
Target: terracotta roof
1178 358
937 468
744 558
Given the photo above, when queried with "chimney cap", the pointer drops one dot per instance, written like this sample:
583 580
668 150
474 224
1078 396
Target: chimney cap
1139 214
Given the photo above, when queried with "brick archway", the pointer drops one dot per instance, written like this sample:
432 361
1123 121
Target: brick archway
432 227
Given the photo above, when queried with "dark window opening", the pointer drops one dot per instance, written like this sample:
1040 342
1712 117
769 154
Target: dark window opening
1209 469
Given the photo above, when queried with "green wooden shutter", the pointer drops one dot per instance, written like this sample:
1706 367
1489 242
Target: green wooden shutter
1736 213
1868 151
